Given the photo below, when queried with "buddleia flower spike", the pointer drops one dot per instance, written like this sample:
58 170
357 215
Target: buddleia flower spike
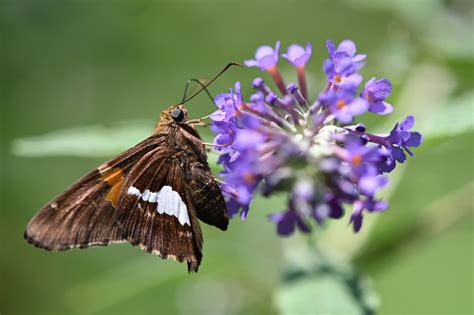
313 148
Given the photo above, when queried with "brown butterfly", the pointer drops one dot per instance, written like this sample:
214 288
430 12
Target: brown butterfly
152 196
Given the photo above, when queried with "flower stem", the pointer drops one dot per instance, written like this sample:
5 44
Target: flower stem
278 80
302 81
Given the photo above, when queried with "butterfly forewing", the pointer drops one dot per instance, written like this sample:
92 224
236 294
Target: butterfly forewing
80 217
83 215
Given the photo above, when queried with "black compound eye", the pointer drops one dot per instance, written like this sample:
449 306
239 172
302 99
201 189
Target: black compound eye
178 115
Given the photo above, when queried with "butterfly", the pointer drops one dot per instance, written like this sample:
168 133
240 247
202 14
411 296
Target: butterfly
152 196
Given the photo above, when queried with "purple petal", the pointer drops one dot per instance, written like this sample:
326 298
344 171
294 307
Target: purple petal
297 55
415 139
359 58
329 165
398 154
343 116
251 63
344 65
328 67
244 195
266 62
379 89
387 166
356 217
408 151
277 49
250 121
356 220
358 106
347 46
369 185
264 51
265 58
302 225
248 139
407 123
330 47
336 209
244 212
381 108
233 207
377 206
222 139
304 190
218 115
285 222
321 212
354 79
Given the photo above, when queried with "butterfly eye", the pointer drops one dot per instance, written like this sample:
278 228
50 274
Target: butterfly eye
178 115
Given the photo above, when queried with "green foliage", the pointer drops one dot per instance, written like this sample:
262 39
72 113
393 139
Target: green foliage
451 120
327 287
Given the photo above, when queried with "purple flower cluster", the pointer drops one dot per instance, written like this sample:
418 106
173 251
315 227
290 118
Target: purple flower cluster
282 141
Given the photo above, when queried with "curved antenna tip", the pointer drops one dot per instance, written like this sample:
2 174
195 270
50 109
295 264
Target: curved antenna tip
236 64
230 64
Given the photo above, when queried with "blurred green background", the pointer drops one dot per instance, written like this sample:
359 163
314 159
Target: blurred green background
83 80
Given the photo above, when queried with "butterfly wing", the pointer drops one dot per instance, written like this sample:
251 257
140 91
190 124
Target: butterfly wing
83 215
205 192
152 196
207 197
155 211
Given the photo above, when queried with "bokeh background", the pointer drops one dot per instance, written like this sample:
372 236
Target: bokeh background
83 80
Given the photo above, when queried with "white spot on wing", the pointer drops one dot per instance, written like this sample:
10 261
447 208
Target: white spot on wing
150 196
134 191
169 202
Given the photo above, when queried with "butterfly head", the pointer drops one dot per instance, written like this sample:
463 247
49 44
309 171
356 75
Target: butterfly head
175 114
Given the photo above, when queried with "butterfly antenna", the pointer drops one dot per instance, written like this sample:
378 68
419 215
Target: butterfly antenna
204 86
201 84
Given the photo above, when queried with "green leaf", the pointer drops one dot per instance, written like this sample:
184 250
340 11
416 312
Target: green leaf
449 33
327 290
317 295
431 179
450 120
428 95
87 141
430 271
418 13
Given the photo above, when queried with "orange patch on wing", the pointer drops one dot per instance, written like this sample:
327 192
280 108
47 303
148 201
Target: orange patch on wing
114 177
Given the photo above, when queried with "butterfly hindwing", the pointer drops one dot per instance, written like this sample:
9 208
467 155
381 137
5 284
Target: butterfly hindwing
207 197
201 185
156 214
84 214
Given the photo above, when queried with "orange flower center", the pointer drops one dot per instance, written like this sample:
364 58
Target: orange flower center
338 78
249 178
367 96
341 104
357 159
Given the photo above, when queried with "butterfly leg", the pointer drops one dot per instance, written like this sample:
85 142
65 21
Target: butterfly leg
214 145
198 121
